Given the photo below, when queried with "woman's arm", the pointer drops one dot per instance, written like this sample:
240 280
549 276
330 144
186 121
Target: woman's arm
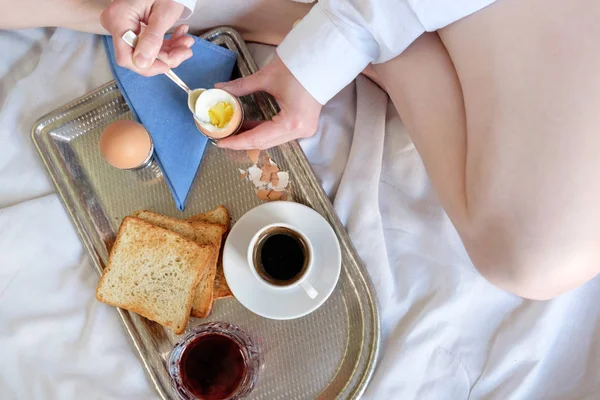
81 15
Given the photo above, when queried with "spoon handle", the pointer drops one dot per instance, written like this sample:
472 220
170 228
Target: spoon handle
131 39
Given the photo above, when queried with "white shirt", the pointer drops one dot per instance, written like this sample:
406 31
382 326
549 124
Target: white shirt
337 39
189 7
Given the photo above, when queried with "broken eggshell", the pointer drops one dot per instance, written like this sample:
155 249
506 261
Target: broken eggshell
269 181
253 155
282 182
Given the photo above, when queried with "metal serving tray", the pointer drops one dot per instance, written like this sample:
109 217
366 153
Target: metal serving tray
329 354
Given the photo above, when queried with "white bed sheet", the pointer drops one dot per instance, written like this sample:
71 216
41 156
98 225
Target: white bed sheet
447 333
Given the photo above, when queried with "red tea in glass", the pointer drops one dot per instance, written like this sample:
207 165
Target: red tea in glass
216 361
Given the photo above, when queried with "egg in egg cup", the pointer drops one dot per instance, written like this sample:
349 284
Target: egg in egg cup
218 114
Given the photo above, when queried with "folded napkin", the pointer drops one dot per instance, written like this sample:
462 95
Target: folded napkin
161 106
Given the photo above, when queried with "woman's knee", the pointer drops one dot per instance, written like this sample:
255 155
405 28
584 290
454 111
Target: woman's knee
531 266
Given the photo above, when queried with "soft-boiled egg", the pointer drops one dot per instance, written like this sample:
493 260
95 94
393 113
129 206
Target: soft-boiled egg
218 113
126 144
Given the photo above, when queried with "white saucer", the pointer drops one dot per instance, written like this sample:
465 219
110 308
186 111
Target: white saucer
256 295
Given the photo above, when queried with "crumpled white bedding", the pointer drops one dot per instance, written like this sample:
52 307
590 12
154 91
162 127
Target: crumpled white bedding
447 333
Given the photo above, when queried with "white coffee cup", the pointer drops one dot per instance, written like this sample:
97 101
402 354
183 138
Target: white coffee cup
258 269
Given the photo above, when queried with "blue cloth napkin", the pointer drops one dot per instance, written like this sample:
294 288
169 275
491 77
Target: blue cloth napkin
161 106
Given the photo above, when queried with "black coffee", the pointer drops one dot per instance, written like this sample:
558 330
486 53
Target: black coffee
281 256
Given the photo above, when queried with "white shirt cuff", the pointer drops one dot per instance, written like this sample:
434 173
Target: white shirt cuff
320 56
189 7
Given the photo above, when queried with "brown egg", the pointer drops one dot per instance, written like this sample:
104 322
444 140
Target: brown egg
125 144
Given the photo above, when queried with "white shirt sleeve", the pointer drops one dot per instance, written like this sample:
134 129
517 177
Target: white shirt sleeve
337 39
189 7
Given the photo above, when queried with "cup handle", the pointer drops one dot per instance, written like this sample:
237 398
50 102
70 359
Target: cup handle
309 289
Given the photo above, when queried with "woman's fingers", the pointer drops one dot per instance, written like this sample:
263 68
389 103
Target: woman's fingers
151 20
244 86
264 136
178 55
176 49
162 17
299 116
124 58
179 38
180 31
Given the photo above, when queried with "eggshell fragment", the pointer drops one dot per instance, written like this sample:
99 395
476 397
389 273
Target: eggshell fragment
282 183
270 182
270 168
275 195
254 174
265 177
253 155
263 194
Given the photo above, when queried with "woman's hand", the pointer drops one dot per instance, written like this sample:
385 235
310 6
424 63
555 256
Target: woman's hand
150 19
299 116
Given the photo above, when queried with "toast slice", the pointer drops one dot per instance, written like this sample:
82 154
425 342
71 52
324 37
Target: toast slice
153 271
203 233
221 289
204 295
181 227
219 215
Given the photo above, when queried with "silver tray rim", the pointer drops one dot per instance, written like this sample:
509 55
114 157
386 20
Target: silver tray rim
296 151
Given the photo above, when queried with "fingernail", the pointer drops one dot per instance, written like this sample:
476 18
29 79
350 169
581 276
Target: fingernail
141 61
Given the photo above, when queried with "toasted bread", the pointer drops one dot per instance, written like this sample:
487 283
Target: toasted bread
203 233
184 228
204 296
219 215
153 271
221 290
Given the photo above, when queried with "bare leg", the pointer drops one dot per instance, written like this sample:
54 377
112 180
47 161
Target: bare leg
262 21
515 163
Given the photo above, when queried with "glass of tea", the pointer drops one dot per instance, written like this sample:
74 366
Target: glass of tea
215 361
